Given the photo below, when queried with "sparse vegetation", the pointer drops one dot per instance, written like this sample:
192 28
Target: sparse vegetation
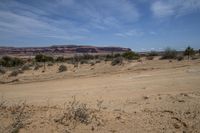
2 70
117 61
180 58
50 64
150 57
37 66
153 53
8 61
44 59
60 59
92 63
14 73
131 55
25 67
62 68
169 54
189 52
78 113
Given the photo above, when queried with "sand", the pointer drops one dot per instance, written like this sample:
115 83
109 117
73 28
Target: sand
148 96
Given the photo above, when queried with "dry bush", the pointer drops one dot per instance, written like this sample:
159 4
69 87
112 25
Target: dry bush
180 58
62 68
78 113
2 70
84 62
14 73
98 61
195 57
117 61
38 66
75 65
50 64
25 67
92 63
150 57
169 54
17 114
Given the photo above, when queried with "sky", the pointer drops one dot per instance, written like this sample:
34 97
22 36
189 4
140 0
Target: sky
141 25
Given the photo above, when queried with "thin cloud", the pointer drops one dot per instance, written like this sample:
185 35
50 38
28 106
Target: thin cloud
130 33
177 8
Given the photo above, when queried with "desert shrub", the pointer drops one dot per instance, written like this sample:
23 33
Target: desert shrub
108 57
19 116
189 52
50 64
117 55
92 63
117 61
180 58
88 57
195 58
153 53
37 66
150 57
14 73
62 68
40 58
84 62
130 55
75 65
25 67
60 59
8 61
43 58
75 112
169 54
98 61
2 70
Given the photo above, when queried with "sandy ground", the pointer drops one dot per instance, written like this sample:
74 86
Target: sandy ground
148 96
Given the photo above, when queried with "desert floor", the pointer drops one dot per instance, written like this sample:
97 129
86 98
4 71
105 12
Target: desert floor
148 96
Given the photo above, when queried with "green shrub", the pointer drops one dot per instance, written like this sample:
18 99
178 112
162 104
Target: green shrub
60 59
117 61
43 58
117 55
189 52
130 55
169 54
62 68
8 61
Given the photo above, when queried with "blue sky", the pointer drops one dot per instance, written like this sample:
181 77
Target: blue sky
138 24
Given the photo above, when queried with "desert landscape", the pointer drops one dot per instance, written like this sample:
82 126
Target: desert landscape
143 95
99 66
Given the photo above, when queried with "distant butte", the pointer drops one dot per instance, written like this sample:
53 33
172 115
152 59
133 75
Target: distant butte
61 49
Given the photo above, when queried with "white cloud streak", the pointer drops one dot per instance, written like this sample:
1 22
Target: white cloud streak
177 8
